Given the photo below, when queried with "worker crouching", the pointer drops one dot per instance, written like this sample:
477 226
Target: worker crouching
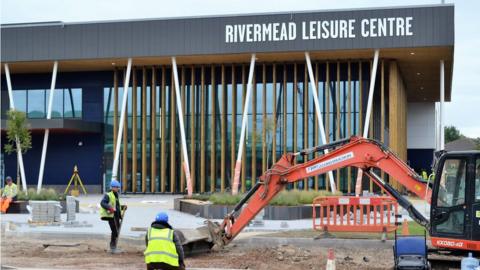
110 211
164 250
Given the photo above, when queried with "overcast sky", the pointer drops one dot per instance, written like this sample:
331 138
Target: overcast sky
462 112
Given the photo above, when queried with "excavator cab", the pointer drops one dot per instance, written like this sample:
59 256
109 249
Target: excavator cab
455 202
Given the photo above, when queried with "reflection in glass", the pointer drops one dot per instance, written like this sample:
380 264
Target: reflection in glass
72 100
57 105
36 106
20 100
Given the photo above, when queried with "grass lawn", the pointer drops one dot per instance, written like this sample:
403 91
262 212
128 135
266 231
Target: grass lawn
415 228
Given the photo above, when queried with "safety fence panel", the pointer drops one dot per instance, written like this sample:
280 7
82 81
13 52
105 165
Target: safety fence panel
355 214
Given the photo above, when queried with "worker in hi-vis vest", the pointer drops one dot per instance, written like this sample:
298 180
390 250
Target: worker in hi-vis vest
164 250
424 174
110 211
9 194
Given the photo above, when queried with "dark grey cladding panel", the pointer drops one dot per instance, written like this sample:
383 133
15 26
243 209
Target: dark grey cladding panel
431 26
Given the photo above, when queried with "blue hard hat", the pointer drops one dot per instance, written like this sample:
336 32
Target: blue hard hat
114 183
161 217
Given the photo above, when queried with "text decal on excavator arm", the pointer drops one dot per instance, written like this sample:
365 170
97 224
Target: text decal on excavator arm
329 162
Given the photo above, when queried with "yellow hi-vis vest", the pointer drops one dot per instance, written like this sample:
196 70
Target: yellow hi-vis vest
161 248
112 202
10 191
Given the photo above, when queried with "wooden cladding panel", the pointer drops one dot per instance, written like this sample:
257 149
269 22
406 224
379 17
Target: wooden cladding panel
193 129
233 141
144 129
397 114
163 133
223 150
153 130
213 129
203 149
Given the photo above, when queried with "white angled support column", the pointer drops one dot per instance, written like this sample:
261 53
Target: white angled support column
238 164
358 185
442 103
319 115
19 152
47 131
186 166
116 154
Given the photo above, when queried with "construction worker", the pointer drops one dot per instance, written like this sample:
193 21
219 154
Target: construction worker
9 194
164 250
424 174
111 211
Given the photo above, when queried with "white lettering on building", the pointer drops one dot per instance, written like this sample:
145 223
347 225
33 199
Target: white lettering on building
321 29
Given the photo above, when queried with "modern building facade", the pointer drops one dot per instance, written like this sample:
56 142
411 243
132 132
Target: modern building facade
213 54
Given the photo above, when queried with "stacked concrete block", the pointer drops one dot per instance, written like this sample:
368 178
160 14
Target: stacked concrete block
45 211
71 208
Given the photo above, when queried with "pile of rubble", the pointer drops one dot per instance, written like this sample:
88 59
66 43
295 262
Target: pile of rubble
291 253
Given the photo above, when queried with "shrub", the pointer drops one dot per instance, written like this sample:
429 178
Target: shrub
22 196
307 197
200 197
44 195
225 198
299 197
285 198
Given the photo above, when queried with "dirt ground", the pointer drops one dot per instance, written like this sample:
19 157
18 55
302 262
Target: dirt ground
91 254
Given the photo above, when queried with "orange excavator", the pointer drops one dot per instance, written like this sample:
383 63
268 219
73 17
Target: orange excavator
454 194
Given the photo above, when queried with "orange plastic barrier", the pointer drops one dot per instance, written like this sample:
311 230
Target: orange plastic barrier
355 214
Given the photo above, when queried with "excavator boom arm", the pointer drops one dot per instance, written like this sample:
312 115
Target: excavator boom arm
357 152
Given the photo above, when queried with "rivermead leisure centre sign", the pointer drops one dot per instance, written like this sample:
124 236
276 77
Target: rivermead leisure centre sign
320 29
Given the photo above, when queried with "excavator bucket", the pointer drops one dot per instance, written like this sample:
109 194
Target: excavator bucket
200 240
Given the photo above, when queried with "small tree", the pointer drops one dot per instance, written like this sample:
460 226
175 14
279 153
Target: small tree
477 142
452 134
18 134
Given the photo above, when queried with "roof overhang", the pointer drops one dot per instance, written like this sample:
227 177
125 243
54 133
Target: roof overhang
420 67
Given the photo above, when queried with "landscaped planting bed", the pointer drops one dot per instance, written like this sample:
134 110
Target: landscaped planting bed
286 205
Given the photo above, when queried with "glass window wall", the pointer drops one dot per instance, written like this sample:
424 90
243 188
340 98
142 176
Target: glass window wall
67 103
281 106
